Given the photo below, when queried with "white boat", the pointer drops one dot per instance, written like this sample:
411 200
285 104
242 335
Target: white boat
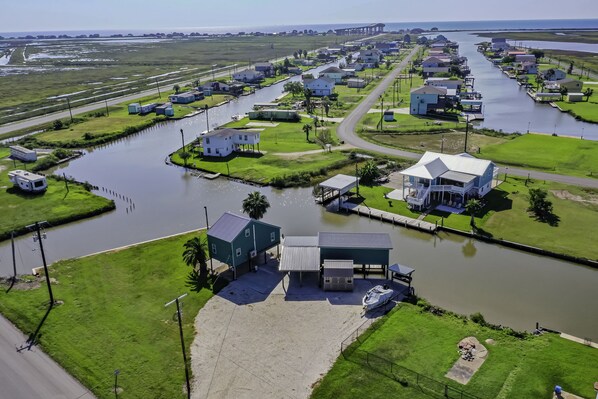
377 296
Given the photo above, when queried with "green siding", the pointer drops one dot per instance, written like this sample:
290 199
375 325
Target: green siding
358 255
223 252
263 236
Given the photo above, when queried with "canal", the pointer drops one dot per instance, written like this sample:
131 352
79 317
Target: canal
507 107
154 199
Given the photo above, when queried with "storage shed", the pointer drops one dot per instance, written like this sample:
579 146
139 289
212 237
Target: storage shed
134 108
337 275
389 116
361 248
161 109
575 97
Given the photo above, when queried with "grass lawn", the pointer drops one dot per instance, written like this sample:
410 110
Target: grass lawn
560 155
113 317
19 209
427 344
447 142
119 119
407 123
505 216
584 110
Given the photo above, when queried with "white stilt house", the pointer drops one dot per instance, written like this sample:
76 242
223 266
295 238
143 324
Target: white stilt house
447 179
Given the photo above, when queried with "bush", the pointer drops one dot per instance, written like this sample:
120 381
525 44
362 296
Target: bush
62 153
57 124
478 318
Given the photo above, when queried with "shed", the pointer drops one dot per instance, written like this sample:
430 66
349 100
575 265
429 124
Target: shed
356 83
134 108
575 97
389 116
337 275
161 109
22 153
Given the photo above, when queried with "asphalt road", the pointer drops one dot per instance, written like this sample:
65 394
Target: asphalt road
346 132
30 373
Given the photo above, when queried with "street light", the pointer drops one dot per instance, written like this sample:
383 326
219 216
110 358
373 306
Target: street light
466 131
528 125
213 66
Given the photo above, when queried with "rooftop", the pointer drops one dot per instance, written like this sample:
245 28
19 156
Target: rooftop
354 240
228 226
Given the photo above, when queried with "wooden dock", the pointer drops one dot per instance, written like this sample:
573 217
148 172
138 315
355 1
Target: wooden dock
388 217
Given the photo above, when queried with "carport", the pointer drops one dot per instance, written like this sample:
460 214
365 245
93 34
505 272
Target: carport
300 254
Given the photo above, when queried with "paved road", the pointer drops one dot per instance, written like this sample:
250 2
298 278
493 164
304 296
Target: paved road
346 132
32 373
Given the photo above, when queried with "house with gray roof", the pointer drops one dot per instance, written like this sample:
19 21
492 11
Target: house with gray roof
443 178
319 87
427 98
223 142
235 240
333 73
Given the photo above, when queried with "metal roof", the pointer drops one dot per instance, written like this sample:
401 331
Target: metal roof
400 269
300 254
338 268
340 182
354 240
429 90
228 226
458 176
432 165
222 132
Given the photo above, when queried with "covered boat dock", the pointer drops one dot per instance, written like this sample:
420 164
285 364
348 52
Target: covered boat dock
401 273
336 186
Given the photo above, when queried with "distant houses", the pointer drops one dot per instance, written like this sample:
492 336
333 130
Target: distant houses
223 142
319 87
274 114
435 65
334 73
499 44
248 76
187 97
266 68
371 56
356 83
427 98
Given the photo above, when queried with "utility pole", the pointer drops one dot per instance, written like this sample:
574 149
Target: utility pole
382 112
158 87
66 182
205 208
466 131
14 261
356 178
39 237
68 103
107 112
178 312
184 152
207 120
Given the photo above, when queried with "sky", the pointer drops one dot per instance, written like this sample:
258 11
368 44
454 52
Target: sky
63 15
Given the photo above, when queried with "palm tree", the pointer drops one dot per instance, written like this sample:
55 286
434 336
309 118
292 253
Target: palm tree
255 205
471 207
176 89
195 253
306 129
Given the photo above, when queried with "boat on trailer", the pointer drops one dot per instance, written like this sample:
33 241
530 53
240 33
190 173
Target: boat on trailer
377 296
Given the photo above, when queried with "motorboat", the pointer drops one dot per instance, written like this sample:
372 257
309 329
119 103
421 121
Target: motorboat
377 296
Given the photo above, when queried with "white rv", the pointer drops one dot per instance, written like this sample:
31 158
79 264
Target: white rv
28 181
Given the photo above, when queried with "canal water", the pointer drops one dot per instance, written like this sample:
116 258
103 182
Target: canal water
154 199
507 107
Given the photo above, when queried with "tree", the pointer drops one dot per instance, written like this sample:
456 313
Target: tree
539 204
295 88
538 54
304 53
255 205
570 69
326 103
195 253
588 93
57 124
307 129
369 172
287 63
308 94
388 64
472 207
295 55
407 39
176 89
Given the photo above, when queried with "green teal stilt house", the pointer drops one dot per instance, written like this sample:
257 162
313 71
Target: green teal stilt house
236 240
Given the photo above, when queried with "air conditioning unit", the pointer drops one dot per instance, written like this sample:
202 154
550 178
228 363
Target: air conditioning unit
253 253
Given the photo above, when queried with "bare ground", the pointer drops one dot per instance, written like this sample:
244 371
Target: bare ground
564 194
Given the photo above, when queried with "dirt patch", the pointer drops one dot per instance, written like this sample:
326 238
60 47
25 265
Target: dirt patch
472 356
20 284
566 195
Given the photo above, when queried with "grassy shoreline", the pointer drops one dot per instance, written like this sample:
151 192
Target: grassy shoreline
113 317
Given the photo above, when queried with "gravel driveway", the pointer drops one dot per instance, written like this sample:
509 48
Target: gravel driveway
253 341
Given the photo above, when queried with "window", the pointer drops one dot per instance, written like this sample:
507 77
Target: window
272 237
327 280
245 137
207 140
209 150
38 183
349 281
247 232
238 252
241 137
214 249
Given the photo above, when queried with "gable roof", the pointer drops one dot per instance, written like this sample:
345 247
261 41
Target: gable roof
429 90
228 226
323 78
221 132
332 69
566 80
432 165
433 59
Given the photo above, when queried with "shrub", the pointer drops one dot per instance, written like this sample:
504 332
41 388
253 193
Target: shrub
57 124
478 318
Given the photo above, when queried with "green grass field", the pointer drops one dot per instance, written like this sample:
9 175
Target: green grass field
560 155
427 344
584 110
55 205
113 317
